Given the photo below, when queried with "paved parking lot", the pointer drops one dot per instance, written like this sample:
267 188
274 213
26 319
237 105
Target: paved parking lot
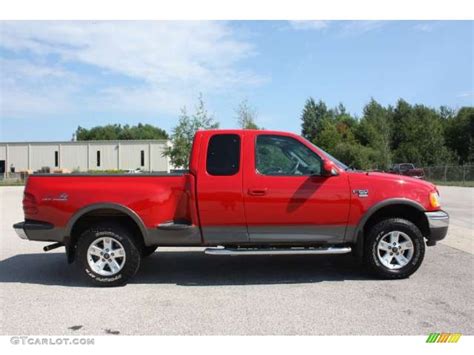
186 292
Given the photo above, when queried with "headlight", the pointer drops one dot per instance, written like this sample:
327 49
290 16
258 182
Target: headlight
434 200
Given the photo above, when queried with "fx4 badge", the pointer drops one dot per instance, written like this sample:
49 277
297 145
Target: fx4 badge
63 197
361 193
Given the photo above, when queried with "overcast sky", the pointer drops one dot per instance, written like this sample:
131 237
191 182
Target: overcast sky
55 76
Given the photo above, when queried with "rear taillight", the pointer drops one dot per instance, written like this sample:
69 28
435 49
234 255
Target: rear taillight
29 204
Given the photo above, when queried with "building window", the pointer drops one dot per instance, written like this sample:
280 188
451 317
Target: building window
56 158
98 158
142 158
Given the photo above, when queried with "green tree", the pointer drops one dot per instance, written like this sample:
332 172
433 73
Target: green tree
355 155
117 131
404 133
246 116
446 112
346 124
402 110
374 131
183 134
459 133
328 136
313 116
333 131
421 135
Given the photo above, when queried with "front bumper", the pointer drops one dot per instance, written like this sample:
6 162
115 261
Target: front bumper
438 223
34 230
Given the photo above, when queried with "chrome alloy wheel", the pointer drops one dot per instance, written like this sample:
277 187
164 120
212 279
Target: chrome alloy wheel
395 250
106 256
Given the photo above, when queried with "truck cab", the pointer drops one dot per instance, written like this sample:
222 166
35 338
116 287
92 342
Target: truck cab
268 188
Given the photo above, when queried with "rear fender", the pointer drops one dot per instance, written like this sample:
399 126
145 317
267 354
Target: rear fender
112 206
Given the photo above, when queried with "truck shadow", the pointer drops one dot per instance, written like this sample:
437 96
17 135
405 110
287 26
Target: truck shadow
193 268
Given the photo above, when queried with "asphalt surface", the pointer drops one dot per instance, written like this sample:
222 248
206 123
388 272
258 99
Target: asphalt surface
183 291
459 203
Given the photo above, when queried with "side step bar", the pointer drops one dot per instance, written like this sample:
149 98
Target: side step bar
279 251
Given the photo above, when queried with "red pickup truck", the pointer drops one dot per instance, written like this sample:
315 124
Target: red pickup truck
247 192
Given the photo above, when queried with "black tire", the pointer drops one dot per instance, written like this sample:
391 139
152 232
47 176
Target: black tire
377 232
147 251
116 233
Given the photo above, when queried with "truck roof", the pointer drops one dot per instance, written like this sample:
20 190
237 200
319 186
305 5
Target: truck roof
238 130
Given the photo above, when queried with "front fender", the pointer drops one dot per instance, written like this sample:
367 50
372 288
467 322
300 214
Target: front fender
356 235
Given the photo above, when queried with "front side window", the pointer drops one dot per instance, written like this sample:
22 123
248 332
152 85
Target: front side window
280 155
223 155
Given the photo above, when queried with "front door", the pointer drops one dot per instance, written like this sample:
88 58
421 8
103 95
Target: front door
286 198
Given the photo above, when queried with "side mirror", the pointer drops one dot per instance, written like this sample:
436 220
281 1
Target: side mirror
329 168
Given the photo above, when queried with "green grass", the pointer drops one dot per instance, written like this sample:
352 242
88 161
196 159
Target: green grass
453 183
12 183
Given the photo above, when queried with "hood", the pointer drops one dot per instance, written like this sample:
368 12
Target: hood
399 178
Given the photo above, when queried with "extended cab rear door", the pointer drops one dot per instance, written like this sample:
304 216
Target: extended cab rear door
286 198
219 187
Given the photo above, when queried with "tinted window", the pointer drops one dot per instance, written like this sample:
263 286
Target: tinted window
223 154
279 155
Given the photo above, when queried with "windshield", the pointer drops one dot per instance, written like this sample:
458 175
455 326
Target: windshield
335 161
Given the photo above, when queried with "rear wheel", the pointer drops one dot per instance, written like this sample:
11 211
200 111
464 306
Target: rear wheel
108 255
394 248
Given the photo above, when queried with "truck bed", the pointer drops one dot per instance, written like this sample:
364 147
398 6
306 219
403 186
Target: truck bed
155 199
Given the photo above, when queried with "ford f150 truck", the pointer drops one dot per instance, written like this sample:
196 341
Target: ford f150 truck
247 192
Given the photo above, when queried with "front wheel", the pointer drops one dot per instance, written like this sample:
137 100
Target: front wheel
394 248
108 255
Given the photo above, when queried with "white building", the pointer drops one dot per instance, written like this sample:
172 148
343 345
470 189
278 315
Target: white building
146 155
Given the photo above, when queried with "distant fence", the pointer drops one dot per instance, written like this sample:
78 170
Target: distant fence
462 174
13 176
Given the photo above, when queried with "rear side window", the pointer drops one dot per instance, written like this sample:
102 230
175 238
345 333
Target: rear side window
223 155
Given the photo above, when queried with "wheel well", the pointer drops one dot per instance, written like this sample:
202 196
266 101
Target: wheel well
407 212
103 215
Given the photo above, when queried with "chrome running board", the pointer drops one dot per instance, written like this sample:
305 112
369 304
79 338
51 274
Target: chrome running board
277 251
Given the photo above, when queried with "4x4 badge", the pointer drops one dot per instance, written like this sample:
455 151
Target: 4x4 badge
361 193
